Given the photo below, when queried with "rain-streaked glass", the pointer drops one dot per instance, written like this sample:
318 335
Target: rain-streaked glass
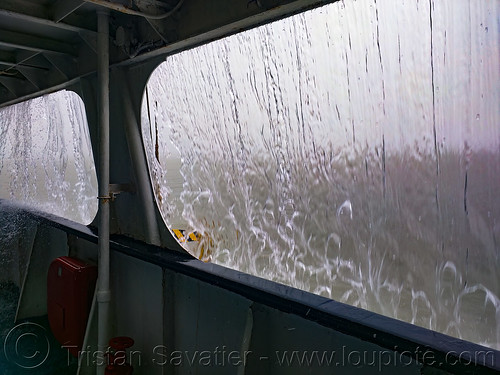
46 157
352 151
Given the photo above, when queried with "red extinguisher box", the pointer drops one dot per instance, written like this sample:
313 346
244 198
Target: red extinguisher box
70 288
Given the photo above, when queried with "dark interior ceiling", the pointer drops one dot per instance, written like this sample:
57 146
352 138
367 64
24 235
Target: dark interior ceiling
46 45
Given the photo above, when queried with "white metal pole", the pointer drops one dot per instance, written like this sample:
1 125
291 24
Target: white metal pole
103 289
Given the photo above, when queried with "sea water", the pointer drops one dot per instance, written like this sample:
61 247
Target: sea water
352 151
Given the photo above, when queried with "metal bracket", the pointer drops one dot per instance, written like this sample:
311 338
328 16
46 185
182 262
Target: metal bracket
115 189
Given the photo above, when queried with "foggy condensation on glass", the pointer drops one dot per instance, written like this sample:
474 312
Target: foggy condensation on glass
46 157
352 151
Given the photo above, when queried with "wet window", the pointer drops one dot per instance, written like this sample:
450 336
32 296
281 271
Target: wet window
46 158
352 151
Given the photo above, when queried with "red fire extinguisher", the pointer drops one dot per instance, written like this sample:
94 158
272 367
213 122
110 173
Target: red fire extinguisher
117 358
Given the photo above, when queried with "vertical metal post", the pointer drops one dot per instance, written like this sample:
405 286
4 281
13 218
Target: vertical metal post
103 290
134 140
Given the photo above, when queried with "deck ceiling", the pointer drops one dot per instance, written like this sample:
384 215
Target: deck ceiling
46 45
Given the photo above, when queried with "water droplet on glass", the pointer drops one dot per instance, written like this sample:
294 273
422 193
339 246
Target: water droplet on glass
345 208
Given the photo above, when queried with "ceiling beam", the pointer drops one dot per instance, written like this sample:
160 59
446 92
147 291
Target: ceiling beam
13 60
64 64
27 8
18 87
32 75
37 78
5 63
33 59
90 40
41 16
34 43
62 8
42 79
5 94
7 58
